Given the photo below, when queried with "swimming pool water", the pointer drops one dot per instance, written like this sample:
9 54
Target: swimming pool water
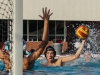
2 67
76 67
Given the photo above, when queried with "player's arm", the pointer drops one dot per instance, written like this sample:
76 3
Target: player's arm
75 56
98 56
39 50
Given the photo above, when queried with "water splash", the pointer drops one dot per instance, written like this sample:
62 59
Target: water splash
93 40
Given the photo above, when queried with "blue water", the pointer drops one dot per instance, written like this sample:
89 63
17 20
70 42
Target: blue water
2 67
76 67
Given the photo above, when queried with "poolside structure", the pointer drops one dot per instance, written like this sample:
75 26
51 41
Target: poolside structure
63 13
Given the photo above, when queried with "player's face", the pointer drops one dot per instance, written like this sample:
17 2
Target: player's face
87 56
50 56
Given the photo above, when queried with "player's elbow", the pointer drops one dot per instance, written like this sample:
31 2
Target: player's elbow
43 44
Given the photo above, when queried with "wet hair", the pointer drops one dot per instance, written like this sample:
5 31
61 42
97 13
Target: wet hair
50 48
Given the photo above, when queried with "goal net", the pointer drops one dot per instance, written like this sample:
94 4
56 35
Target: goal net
11 30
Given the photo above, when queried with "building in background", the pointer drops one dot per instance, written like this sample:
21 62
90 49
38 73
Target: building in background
65 13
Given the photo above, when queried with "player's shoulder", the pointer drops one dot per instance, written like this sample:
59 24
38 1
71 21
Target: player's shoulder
58 61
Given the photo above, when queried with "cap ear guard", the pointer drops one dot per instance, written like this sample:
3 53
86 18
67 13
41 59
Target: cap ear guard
50 48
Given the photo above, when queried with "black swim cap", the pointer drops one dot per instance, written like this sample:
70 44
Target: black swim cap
50 48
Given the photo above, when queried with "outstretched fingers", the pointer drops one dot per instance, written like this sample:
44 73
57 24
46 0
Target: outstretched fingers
50 14
46 13
40 16
45 9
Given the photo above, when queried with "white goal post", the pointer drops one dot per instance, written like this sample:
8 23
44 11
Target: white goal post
17 38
